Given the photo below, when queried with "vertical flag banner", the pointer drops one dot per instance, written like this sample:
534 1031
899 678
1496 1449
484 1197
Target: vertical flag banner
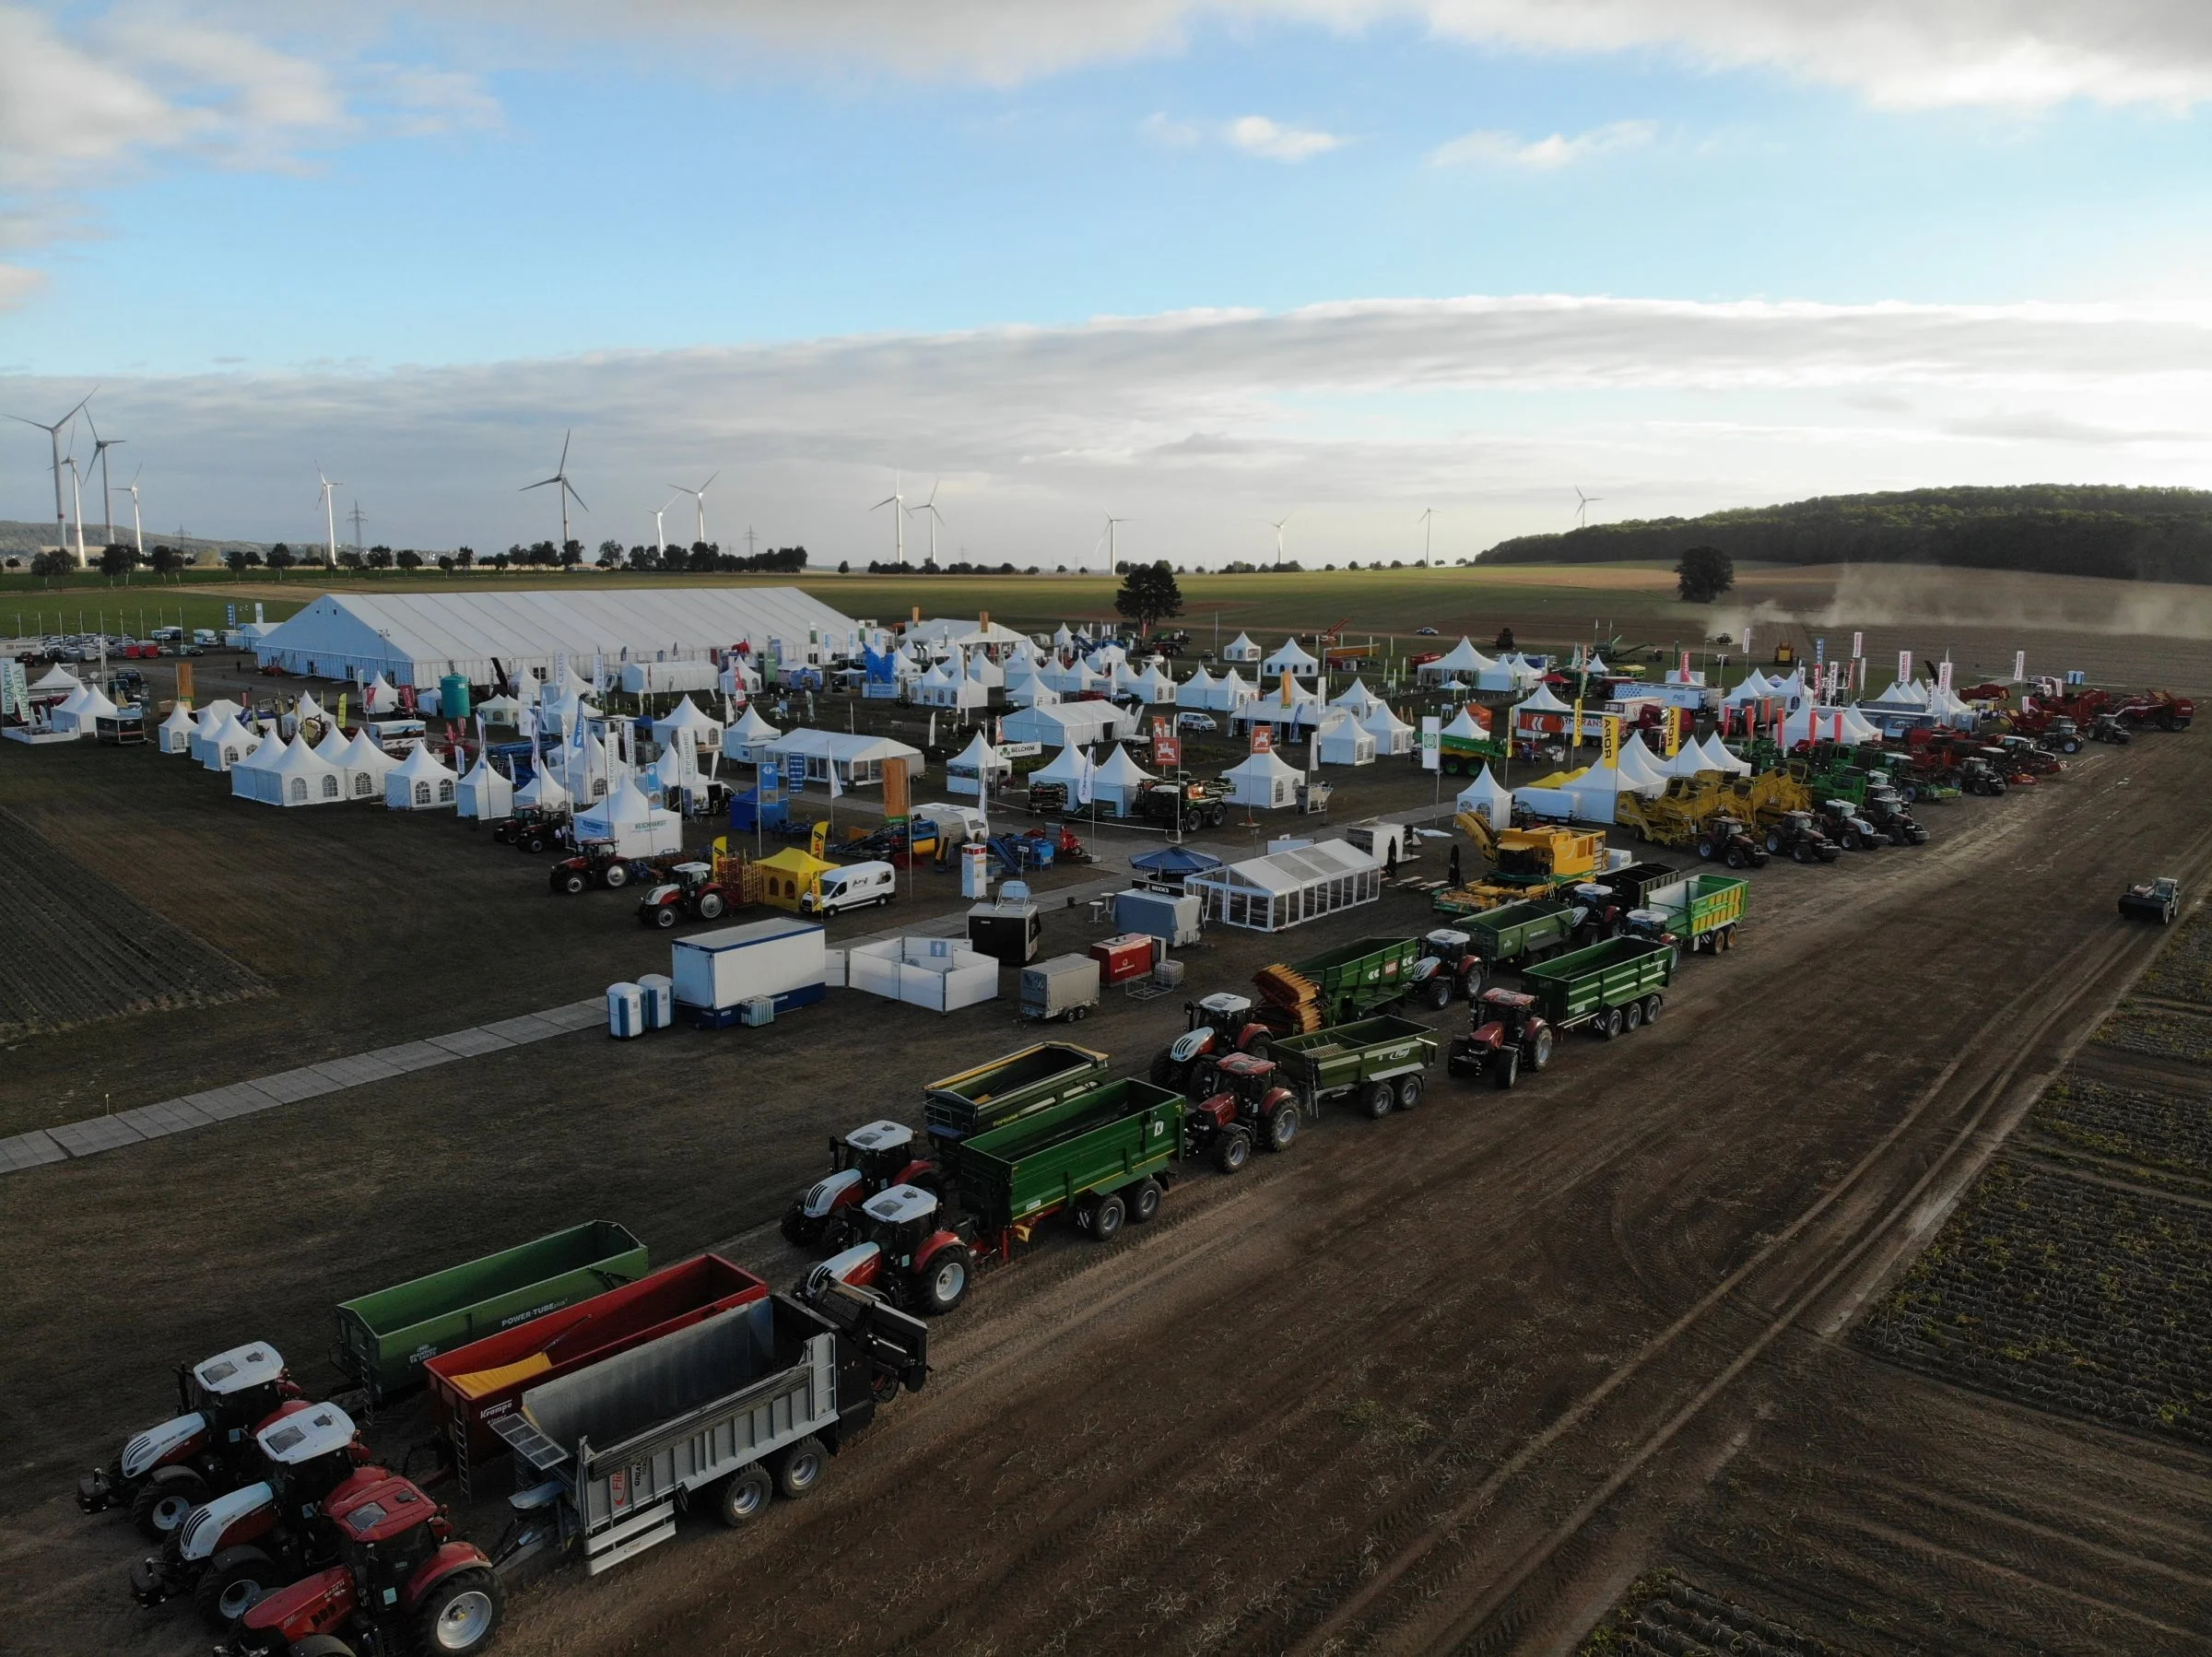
1673 732
1905 666
2020 665
1943 674
896 808
1262 739
1431 742
1858 645
1577 741
1612 726
1821 651
184 682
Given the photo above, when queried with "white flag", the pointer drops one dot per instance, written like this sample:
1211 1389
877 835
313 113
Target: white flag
1086 781
837 788
933 728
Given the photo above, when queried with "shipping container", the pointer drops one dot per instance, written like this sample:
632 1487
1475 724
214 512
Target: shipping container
783 960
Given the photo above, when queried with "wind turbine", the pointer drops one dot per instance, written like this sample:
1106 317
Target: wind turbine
698 494
137 531
565 489
935 518
1277 527
100 445
330 513
660 535
61 515
897 500
76 490
1583 504
1428 522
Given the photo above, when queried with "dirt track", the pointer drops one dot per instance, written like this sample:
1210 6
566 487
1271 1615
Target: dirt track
1452 1379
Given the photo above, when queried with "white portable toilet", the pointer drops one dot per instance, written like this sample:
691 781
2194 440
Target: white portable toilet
625 1011
659 992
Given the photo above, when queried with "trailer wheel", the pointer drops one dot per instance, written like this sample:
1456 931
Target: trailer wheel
1540 1049
1632 1018
1651 1006
799 1469
1607 1024
232 1585
460 1615
1106 1216
1506 1068
1727 936
944 1283
1232 1150
165 1500
1282 1126
1144 1200
1410 1092
1378 1100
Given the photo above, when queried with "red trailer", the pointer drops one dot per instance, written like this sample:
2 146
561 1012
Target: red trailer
472 1386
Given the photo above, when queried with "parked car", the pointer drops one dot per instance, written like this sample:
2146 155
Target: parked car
856 886
1196 721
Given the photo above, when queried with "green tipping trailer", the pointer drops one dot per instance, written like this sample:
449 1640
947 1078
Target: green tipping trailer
1458 960
384 1338
1035 1078
1381 1060
1072 1154
1609 988
1340 984
1701 911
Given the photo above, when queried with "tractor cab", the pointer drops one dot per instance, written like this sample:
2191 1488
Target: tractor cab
234 1390
1845 815
867 1162
1651 924
1224 1012
1245 1077
310 1453
899 1220
387 1532
1501 1016
1448 945
878 1155
220 1400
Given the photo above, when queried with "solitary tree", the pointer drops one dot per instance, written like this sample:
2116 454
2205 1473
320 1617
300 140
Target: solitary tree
1704 573
53 565
1148 593
280 559
118 558
166 560
379 557
408 559
610 554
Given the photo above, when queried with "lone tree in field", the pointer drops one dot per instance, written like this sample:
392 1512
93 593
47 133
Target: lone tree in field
1148 594
118 558
1704 573
53 565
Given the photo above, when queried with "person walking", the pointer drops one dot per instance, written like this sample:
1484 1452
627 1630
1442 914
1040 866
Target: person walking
1451 870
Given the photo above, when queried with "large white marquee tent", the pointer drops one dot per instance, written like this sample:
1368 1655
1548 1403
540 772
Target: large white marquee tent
417 637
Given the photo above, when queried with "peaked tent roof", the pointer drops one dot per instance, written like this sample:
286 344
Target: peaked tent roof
1263 767
1464 725
1541 701
1484 793
1461 657
1382 721
1067 766
1118 770
421 762
1175 861
1355 695
1292 656
56 678
362 755
978 753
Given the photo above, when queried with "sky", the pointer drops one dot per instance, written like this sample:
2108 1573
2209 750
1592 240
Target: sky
1201 266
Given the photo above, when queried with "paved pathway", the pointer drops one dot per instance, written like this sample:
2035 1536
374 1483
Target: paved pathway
42 1145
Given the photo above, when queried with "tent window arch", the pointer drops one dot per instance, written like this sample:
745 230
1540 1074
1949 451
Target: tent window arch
298 791
363 785
330 787
446 794
422 793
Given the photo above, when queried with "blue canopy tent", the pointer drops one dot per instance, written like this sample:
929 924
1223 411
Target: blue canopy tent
1172 865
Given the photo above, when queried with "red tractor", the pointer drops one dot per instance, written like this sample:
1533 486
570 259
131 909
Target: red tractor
1246 1103
233 1550
1214 1025
598 863
2032 758
865 1162
402 1583
1505 1035
691 889
205 1450
532 829
906 1251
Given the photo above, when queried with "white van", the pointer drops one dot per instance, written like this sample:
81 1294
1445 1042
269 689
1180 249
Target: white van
856 886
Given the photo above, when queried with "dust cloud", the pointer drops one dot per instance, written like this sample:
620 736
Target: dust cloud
1910 596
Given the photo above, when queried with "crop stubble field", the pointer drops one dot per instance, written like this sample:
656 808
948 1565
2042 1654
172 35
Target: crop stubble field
1453 1379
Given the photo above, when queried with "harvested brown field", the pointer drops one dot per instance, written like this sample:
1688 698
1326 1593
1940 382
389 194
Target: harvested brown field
79 948
2162 1032
2149 1129
1663 1616
2183 969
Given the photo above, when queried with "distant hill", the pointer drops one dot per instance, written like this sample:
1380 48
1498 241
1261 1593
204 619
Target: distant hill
2054 529
21 540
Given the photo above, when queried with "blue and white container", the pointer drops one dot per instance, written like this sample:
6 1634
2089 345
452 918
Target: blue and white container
625 1011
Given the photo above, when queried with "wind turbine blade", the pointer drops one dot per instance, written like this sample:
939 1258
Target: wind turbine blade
709 484
539 485
564 447
887 500
572 494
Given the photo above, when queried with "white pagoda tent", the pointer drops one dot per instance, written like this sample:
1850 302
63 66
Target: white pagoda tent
1510 672
1392 736
86 705
976 768
1031 692
484 791
746 741
635 826
1293 659
1357 697
543 791
1719 758
1460 658
1067 767
365 766
1241 649
56 678
1119 781
174 734
378 696
686 725
1488 796
250 777
229 742
1343 740
421 781
1265 781
1301 710
1541 715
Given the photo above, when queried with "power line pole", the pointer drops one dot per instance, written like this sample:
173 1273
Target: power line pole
359 544
748 540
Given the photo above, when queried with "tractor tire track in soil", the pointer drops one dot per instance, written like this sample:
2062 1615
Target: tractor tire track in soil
79 948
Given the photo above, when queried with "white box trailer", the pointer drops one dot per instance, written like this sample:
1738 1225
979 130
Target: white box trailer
784 961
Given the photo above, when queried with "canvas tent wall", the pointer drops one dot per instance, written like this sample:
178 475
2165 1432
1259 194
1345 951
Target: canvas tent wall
1392 736
685 724
1118 781
485 792
1065 724
1292 658
86 706
1461 658
857 758
1241 649
977 768
1284 888
631 823
1488 796
420 782
1262 781
249 776
1343 740
748 740
417 637
229 742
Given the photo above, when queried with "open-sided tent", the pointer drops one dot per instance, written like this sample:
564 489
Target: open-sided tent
1241 649
175 734
1392 736
686 725
1118 782
365 766
1343 740
421 781
634 824
1262 780
1460 658
858 760
746 741
1292 658
1283 888
1172 865
485 790
1487 795
977 768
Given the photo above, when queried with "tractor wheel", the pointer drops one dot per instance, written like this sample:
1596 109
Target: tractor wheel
319 1645
710 906
571 882
1632 1018
1262 1047
799 1469
1801 852
1735 859
1540 1051
1440 991
534 845
165 1500
1653 1004
460 1615
744 1495
1144 1200
664 916
232 1585
1282 1126
616 876
1232 1150
1505 1069
1410 1092
1163 1071
1377 1101
1107 1212
1705 849
944 1283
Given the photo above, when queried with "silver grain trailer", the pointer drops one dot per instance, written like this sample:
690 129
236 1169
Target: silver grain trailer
741 1406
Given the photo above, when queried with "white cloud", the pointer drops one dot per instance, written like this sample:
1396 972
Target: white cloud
1176 135
1257 135
1506 149
1194 421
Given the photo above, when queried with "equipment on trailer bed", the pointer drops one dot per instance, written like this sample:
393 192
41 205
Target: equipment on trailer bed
205 1449
1505 1035
2158 900
403 1582
1380 1060
743 1406
1609 988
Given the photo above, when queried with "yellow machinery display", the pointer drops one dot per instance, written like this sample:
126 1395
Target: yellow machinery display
1523 863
